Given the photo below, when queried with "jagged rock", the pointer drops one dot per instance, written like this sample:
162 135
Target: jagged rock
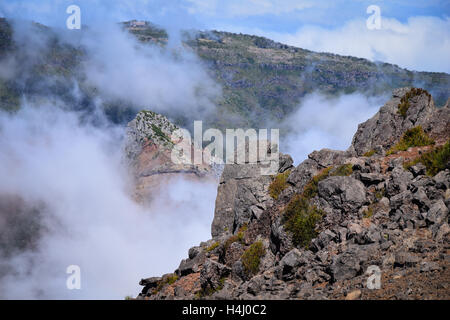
149 144
371 178
242 188
398 181
437 213
303 173
418 169
442 179
290 262
188 266
348 264
387 125
344 193
327 157
212 274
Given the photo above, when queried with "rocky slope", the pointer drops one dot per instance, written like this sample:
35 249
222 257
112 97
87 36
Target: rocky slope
313 231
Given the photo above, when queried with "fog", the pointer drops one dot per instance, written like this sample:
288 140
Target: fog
324 122
91 220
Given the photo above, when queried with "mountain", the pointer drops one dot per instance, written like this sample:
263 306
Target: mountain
314 231
262 81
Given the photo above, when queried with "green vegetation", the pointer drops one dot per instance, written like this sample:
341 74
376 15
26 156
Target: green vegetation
278 184
368 213
213 246
300 218
434 160
414 137
239 236
251 258
369 153
343 170
403 106
310 190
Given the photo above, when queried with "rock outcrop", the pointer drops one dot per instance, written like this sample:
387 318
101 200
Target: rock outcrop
148 149
336 219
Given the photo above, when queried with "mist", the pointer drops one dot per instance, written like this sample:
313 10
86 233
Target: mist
323 122
90 218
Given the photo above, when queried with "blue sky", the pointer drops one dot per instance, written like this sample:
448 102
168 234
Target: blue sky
414 34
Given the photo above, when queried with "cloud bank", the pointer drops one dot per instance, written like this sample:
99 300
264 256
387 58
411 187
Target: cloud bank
88 217
421 43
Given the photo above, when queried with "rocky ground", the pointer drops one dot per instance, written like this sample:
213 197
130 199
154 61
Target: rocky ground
313 231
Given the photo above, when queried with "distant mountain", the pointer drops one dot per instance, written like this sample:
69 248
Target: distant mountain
263 81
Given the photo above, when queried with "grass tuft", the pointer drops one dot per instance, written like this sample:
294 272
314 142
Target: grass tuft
434 160
278 184
414 137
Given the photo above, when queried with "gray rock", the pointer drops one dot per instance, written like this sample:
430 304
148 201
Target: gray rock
212 274
442 179
371 178
348 264
345 193
387 126
438 213
418 169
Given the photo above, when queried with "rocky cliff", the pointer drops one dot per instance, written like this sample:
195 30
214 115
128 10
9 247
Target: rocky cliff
318 230
148 148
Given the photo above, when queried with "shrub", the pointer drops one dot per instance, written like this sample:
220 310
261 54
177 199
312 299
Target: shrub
278 184
369 153
212 247
434 160
368 213
300 219
343 170
251 258
310 190
414 137
239 236
404 105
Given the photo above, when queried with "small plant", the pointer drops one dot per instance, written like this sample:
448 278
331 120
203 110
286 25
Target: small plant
239 236
414 137
310 190
343 170
380 194
212 247
251 258
434 160
300 218
368 213
278 184
404 105
369 153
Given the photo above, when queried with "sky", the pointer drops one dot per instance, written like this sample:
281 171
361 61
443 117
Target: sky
413 34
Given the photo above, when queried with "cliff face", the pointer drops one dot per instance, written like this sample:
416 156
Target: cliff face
148 148
315 230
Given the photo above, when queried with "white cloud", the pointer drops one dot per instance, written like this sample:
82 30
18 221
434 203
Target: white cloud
322 122
422 43
91 220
